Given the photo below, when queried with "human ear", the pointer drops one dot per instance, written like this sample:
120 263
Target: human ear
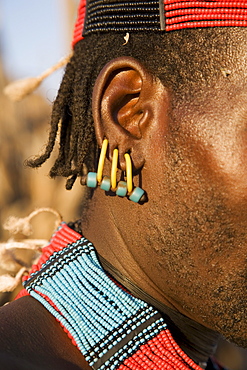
124 103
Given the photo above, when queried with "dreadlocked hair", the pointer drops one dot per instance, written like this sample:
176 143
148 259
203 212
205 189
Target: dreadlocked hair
75 130
186 61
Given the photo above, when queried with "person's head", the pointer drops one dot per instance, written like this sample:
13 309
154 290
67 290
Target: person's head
177 102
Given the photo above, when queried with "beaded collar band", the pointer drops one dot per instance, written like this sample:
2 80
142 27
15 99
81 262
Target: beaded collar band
112 329
96 16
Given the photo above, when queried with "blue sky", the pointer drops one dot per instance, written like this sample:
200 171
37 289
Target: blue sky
34 35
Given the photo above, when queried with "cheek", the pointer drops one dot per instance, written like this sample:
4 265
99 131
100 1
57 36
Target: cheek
197 240
218 147
229 165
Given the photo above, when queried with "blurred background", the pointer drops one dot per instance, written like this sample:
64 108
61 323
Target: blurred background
34 35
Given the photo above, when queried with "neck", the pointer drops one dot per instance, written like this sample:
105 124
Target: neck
102 226
197 341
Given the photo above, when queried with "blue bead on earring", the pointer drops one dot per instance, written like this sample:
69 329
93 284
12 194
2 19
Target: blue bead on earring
91 180
122 189
136 194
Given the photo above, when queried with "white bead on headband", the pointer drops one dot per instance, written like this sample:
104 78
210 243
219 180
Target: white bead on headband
95 16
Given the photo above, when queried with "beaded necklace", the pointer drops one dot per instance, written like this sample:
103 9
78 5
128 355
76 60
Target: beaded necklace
112 329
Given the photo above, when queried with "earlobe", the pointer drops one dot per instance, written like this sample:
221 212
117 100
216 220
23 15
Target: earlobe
124 99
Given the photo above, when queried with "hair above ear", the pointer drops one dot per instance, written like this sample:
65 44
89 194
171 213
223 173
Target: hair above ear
124 104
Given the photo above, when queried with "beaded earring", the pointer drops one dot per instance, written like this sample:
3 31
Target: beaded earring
122 188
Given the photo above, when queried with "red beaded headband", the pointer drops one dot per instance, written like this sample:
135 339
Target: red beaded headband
96 16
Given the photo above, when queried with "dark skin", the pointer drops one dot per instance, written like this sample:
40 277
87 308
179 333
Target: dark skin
186 246
32 339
